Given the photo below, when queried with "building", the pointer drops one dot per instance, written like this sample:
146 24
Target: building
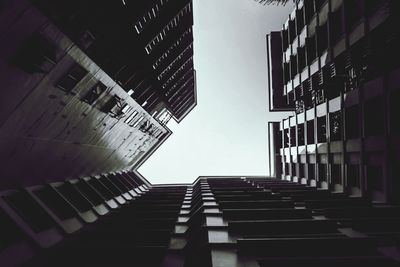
336 65
119 219
87 90
88 87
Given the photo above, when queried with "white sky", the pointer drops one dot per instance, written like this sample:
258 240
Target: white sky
226 134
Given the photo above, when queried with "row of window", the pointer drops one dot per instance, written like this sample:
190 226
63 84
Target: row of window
115 106
354 11
179 57
169 51
170 26
374 123
183 86
178 72
374 174
150 15
185 76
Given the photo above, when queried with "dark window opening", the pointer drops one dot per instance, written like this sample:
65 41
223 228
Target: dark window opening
336 174
55 202
293 136
352 122
318 4
93 94
110 104
30 211
337 27
353 176
310 132
300 19
89 192
75 197
72 78
311 49
322 32
278 141
38 54
322 172
105 192
293 66
285 39
287 171
300 134
301 170
321 128
286 137
292 30
354 12
286 73
309 10
335 120
301 58
294 171
311 171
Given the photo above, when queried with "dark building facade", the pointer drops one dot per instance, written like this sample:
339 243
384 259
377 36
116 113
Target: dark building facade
338 71
119 219
88 86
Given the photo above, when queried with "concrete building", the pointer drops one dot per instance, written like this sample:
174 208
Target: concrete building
338 70
88 87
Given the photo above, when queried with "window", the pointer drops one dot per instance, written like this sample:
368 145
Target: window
293 136
93 94
61 208
311 171
337 29
309 10
322 172
293 66
131 117
301 170
138 121
352 122
300 19
292 30
321 128
72 78
110 104
311 49
310 132
335 121
294 171
353 175
286 137
30 211
38 54
322 38
287 171
354 12
75 197
300 134
170 26
301 58
336 174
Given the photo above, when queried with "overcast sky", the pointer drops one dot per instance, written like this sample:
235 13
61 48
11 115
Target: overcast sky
226 134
